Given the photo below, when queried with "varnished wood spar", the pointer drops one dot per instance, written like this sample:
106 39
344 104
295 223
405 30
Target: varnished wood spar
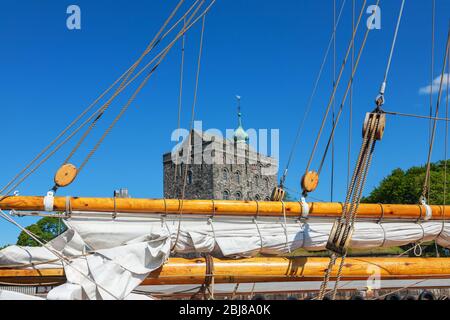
192 271
223 207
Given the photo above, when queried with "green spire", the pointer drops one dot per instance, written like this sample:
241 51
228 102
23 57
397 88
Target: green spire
239 134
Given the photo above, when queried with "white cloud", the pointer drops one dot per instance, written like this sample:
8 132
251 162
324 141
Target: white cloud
434 87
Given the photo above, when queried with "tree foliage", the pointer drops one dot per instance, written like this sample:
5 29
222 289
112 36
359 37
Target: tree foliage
45 229
405 187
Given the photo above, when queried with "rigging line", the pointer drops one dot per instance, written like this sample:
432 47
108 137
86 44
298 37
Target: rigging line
180 98
188 153
446 139
400 289
382 91
80 116
418 116
397 27
58 254
311 97
125 86
344 98
433 31
121 113
149 48
334 105
334 90
62 133
433 133
350 126
125 108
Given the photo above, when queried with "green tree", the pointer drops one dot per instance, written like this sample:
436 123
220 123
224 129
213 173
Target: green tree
45 230
405 187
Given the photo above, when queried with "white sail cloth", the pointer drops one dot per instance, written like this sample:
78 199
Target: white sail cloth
236 236
111 257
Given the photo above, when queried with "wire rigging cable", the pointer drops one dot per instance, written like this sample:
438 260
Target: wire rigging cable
350 116
433 32
425 189
164 51
128 104
373 129
334 106
310 99
180 98
380 98
149 48
191 125
334 89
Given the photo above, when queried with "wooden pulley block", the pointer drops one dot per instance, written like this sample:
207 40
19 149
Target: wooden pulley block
278 194
381 124
310 181
65 175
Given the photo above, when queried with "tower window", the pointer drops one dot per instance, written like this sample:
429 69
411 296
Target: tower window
238 176
256 181
225 174
226 195
189 177
257 197
238 196
267 182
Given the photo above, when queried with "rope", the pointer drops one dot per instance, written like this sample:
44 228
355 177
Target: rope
334 107
149 48
380 98
61 257
350 120
168 47
180 97
418 116
344 98
335 88
445 150
433 133
129 101
188 155
285 226
311 97
342 230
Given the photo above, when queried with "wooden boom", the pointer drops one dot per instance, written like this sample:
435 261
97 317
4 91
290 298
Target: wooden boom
221 207
254 270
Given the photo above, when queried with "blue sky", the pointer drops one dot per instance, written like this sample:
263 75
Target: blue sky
269 52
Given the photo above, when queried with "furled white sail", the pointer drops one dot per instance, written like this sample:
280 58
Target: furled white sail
110 257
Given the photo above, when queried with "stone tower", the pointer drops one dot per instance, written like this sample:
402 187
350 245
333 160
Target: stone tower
219 168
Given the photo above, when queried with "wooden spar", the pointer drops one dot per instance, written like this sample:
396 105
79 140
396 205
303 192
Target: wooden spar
222 207
254 270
